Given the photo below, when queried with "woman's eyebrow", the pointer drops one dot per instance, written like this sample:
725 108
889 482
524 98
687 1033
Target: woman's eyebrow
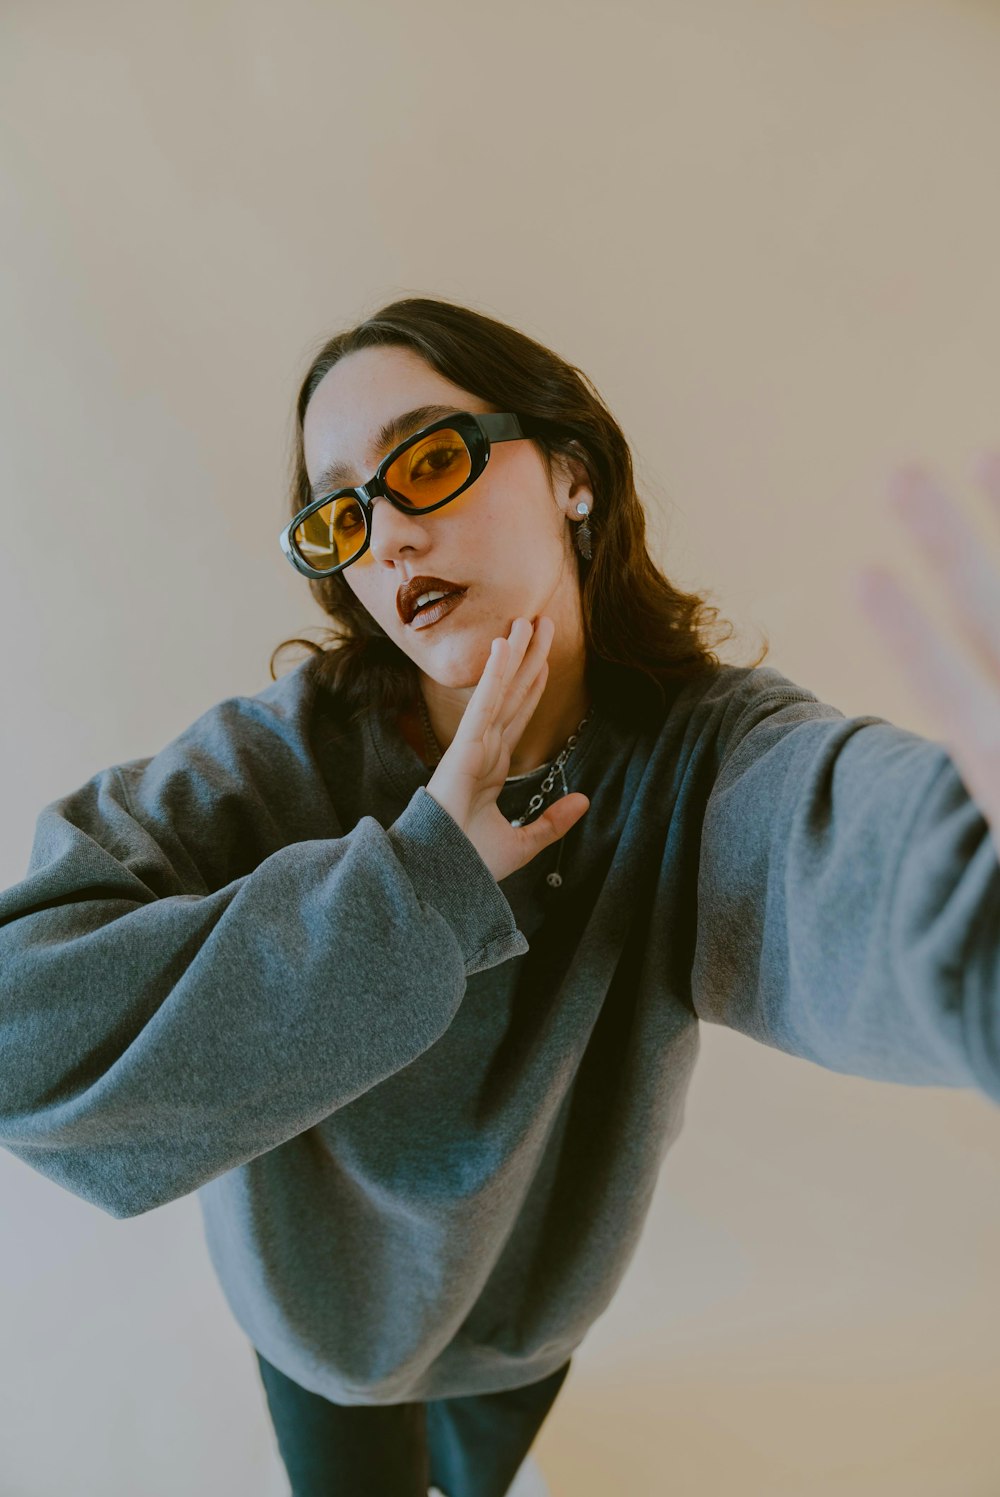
395 430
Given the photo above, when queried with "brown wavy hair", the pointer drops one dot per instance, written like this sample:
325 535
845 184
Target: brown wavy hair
639 628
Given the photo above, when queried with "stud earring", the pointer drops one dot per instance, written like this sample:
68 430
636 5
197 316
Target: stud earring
583 536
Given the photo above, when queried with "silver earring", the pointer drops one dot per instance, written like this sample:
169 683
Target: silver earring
583 530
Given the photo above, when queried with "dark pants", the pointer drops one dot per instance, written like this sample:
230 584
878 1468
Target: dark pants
466 1447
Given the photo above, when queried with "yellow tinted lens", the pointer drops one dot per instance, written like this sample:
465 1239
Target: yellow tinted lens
431 470
331 534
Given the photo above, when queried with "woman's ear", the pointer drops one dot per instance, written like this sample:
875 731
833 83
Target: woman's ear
575 469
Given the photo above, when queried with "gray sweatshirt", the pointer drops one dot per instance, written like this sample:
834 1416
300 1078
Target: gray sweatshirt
424 1112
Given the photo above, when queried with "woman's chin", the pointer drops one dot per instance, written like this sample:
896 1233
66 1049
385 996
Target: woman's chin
456 662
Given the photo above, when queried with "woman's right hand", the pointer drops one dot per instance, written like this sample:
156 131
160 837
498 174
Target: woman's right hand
472 770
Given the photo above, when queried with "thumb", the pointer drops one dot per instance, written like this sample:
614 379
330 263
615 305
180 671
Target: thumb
558 818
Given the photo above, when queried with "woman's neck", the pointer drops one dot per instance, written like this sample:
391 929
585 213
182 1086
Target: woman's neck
564 703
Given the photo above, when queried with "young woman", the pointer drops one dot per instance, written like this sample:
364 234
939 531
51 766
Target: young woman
399 964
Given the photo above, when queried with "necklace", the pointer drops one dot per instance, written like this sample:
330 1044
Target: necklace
553 879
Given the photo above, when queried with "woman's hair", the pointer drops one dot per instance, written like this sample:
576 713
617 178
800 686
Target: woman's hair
636 623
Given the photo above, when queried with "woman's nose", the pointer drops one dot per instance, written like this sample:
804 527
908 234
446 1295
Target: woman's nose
390 526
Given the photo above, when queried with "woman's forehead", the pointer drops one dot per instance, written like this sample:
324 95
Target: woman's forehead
356 415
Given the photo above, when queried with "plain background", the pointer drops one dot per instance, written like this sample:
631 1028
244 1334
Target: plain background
769 233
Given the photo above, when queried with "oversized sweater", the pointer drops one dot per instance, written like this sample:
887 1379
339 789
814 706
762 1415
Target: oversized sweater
423 1111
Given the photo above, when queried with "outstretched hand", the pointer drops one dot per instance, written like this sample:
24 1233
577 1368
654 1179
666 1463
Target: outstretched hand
960 686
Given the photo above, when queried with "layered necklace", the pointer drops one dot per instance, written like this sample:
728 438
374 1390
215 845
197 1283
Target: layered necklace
538 800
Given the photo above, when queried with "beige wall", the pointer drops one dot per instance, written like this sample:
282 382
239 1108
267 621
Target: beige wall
768 231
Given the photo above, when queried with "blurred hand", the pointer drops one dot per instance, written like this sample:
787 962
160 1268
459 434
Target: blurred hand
959 685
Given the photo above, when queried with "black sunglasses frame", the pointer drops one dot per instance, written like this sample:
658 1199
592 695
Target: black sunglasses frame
478 431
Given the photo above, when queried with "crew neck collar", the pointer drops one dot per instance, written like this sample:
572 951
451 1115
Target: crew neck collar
623 701
407 770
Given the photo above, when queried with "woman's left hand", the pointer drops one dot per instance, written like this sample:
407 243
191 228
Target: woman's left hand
961 687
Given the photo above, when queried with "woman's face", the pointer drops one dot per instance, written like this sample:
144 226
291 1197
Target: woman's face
506 539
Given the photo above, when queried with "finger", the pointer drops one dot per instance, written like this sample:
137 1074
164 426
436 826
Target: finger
522 665
518 643
555 821
484 704
957 553
955 690
523 691
487 701
537 640
529 701
537 651
567 810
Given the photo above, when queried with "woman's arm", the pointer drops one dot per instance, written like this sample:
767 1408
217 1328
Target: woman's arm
960 686
849 884
849 899
162 1023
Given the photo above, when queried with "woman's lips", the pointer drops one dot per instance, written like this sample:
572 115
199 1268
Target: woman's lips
434 611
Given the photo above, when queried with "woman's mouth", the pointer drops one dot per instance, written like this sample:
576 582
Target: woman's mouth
432 612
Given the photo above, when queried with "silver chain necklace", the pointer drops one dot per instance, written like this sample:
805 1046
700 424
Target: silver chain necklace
553 879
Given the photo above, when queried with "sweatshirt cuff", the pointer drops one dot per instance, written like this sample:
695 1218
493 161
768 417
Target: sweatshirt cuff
447 872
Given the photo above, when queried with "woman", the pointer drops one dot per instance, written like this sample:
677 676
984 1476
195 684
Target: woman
399 964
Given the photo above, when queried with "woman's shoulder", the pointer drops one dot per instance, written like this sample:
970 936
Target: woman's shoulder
242 737
727 688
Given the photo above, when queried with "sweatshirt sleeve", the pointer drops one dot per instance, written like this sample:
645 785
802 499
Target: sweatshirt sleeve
849 899
157 1032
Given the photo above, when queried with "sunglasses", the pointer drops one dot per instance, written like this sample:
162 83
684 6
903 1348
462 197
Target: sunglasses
429 469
